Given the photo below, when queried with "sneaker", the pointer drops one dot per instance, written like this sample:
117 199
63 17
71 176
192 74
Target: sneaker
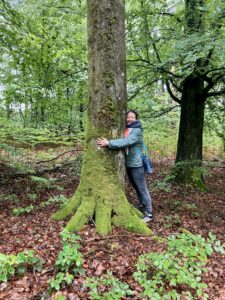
147 218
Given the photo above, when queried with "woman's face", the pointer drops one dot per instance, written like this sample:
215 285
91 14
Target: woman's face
131 117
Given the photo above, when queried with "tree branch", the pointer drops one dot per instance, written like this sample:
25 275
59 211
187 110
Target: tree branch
61 154
138 59
215 69
141 88
157 68
212 82
171 93
160 113
218 93
179 89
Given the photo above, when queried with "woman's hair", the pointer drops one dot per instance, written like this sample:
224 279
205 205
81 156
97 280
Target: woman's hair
134 112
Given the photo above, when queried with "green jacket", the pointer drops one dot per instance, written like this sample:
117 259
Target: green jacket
131 144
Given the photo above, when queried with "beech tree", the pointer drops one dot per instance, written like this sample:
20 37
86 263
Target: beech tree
196 88
100 194
180 47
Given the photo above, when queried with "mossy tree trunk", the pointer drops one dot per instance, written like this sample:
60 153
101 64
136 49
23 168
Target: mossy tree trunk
100 195
189 147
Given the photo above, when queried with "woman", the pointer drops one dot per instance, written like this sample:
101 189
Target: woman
133 143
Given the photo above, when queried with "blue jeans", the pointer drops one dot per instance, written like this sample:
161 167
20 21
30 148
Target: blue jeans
138 181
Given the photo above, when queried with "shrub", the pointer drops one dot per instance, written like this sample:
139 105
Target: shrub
163 275
27 209
116 289
69 261
18 264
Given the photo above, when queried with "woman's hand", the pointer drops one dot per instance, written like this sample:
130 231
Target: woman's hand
102 142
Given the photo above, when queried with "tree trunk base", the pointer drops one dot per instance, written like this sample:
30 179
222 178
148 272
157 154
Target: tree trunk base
100 197
85 208
189 173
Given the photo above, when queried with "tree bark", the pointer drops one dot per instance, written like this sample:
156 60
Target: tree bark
190 139
100 195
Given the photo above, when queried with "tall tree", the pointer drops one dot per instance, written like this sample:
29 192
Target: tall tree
195 91
101 193
181 45
189 147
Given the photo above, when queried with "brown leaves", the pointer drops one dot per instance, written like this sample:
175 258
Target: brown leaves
117 252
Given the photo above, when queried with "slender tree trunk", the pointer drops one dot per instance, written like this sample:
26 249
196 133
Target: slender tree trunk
100 194
8 110
70 110
81 114
22 117
42 110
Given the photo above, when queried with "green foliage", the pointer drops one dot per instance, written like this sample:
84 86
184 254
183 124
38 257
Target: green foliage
30 208
43 183
160 134
45 44
32 196
162 185
53 200
181 265
11 155
172 221
193 209
11 265
69 261
116 289
176 205
43 71
46 183
191 173
215 120
60 280
23 210
10 149
11 197
34 137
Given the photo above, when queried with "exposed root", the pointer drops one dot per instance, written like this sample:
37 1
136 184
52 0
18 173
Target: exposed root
83 214
69 209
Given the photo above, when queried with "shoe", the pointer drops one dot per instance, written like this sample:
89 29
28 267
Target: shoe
147 218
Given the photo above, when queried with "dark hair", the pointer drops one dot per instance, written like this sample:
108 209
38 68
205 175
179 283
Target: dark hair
134 112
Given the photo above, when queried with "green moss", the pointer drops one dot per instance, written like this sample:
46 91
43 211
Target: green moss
197 179
93 132
101 195
70 208
83 214
190 173
103 217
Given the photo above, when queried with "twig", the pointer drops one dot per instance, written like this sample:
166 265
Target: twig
61 154
50 269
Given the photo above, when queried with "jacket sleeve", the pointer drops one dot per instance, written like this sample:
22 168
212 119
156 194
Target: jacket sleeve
133 138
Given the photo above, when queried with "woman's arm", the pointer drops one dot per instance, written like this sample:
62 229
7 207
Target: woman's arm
133 138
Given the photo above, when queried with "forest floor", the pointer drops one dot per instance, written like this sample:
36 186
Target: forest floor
174 207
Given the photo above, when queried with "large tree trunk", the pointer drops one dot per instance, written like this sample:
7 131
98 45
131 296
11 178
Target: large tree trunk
189 147
100 195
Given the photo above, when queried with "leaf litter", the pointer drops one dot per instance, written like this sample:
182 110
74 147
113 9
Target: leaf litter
198 212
